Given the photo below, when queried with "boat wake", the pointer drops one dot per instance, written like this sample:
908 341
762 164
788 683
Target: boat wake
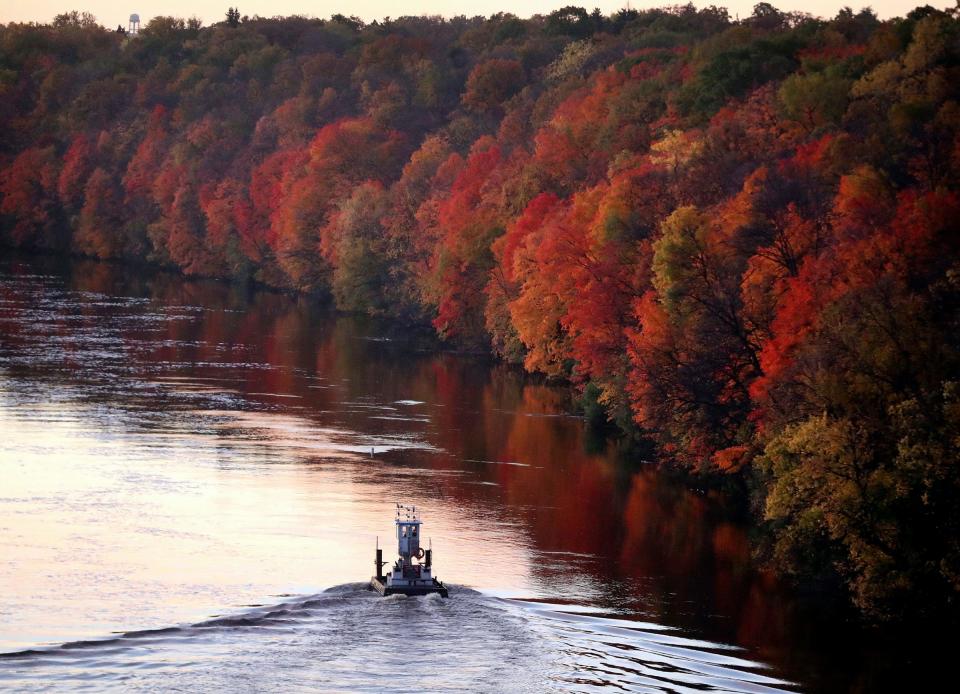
348 638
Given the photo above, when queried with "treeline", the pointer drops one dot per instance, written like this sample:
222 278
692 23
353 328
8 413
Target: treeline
739 238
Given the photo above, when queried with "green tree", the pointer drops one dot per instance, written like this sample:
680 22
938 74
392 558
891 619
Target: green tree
815 99
74 18
361 276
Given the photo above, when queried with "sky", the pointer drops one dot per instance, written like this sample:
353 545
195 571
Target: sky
113 12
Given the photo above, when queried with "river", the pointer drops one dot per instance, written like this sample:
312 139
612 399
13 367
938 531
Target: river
193 478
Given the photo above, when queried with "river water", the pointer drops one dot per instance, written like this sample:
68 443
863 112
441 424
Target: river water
193 479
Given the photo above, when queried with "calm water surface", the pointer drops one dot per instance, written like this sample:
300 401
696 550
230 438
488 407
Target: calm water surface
193 478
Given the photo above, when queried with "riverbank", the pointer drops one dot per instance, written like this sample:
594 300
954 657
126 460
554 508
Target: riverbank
210 448
736 236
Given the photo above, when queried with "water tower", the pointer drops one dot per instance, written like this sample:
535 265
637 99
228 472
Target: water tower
134 27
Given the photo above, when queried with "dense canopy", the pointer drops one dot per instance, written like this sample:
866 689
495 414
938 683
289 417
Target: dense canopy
738 238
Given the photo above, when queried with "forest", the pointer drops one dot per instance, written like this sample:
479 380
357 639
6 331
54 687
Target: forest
736 238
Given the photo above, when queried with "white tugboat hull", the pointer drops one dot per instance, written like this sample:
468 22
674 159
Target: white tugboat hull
423 588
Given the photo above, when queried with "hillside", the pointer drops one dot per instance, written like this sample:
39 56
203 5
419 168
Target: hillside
738 238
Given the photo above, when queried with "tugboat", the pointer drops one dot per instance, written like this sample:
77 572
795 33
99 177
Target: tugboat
412 572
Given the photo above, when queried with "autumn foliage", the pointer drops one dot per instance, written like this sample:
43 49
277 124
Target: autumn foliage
739 238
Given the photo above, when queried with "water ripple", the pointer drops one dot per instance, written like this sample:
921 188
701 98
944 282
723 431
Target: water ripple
355 641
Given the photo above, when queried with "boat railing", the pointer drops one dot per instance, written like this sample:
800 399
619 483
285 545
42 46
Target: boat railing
407 513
